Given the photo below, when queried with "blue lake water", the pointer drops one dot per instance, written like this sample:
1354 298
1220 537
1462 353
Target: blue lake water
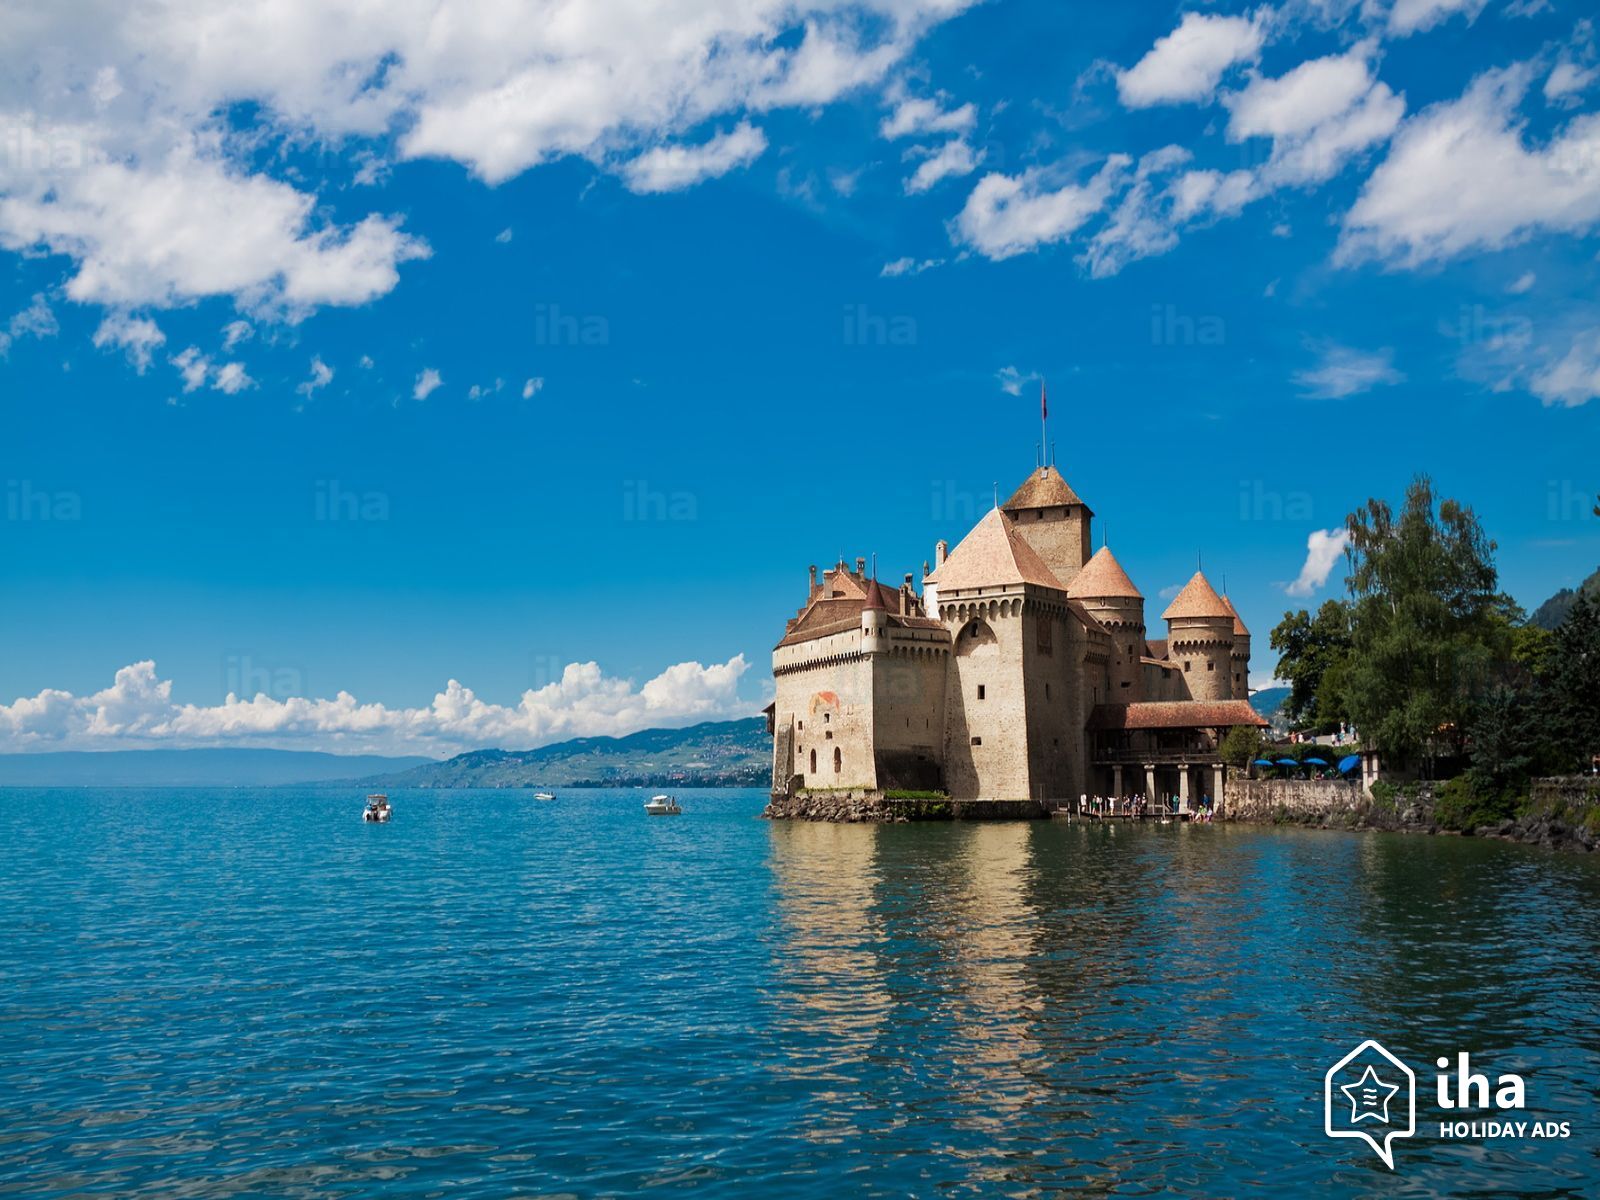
207 994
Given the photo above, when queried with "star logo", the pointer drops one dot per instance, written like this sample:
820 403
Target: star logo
1369 1097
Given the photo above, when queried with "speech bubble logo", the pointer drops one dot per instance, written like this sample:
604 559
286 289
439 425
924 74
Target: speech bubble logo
1361 1098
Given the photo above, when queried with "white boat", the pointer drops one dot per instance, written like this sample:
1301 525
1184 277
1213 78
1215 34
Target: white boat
662 806
377 808
544 795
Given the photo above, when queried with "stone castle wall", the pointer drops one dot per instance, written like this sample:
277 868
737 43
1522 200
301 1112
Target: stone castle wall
866 805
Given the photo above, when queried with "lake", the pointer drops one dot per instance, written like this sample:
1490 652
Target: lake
224 993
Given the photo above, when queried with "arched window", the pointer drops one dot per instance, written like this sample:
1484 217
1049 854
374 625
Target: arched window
974 637
838 760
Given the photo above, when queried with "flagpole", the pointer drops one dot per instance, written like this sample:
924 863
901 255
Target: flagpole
1044 424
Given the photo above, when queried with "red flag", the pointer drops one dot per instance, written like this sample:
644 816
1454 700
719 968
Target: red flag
1044 405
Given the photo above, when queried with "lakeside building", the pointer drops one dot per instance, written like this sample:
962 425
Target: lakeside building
1022 671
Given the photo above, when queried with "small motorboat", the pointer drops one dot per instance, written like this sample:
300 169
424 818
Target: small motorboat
544 795
662 806
377 808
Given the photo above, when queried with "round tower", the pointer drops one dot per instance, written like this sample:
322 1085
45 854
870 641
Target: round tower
1200 639
1104 588
1241 654
874 621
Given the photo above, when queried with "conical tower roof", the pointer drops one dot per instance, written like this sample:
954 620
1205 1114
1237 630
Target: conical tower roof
1238 624
1045 488
875 597
992 555
1198 599
1103 578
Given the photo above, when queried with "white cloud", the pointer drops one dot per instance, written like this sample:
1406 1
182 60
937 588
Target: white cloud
909 266
138 711
230 379
1012 380
235 332
950 161
673 168
1008 215
427 383
1523 284
1324 548
504 236
479 391
1413 16
1170 592
321 377
918 116
532 387
1188 63
1346 372
137 336
142 136
197 371
1574 379
1460 177
38 320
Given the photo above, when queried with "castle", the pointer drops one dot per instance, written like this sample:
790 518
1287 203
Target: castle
1022 672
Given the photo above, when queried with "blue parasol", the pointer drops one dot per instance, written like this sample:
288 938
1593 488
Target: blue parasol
1264 762
1287 762
1349 763
1317 762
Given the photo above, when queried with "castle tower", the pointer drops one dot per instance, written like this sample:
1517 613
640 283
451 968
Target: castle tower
1200 639
874 621
1241 654
1053 521
1104 588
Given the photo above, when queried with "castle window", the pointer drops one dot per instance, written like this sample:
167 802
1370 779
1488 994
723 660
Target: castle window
982 691
1187 665
977 741
828 737
1125 682
813 762
838 760
1047 691
1211 666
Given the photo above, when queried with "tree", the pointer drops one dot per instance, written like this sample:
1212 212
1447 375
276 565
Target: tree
1428 627
1570 701
1312 652
1240 745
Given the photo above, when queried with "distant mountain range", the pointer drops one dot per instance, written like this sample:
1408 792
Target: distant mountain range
1553 611
190 768
1268 701
713 754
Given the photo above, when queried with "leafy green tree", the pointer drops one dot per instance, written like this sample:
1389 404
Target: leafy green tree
1570 700
1428 627
1240 746
1312 653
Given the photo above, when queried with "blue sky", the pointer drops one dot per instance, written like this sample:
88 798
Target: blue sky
358 355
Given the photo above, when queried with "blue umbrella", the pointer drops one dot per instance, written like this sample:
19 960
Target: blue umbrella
1317 762
1287 762
1349 763
1264 762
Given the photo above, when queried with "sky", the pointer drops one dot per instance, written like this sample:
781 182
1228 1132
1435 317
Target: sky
453 373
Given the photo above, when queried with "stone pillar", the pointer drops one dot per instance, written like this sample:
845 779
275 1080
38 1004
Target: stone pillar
1116 781
1219 781
1150 782
1183 788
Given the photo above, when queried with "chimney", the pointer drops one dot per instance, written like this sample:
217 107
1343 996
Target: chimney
861 567
906 592
813 590
940 553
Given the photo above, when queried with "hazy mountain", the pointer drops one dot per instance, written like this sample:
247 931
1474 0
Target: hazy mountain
714 754
1268 701
190 768
1553 611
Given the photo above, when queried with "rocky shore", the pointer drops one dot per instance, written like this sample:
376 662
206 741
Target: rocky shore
857 806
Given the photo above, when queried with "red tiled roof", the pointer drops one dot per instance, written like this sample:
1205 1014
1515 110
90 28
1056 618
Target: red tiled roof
1045 488
1198 599
1157 648
1103 578
1175 714
994 554
1238 623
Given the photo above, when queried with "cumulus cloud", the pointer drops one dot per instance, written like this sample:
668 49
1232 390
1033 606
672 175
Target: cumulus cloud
915 115
1461 177
135 149
1413 16
1012 380
1187 64
38 320
1343 371
673 168
1324 548
1573 379
427 383
138 711
138 338
1007 215
321 377
531 387
949 161
198 371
